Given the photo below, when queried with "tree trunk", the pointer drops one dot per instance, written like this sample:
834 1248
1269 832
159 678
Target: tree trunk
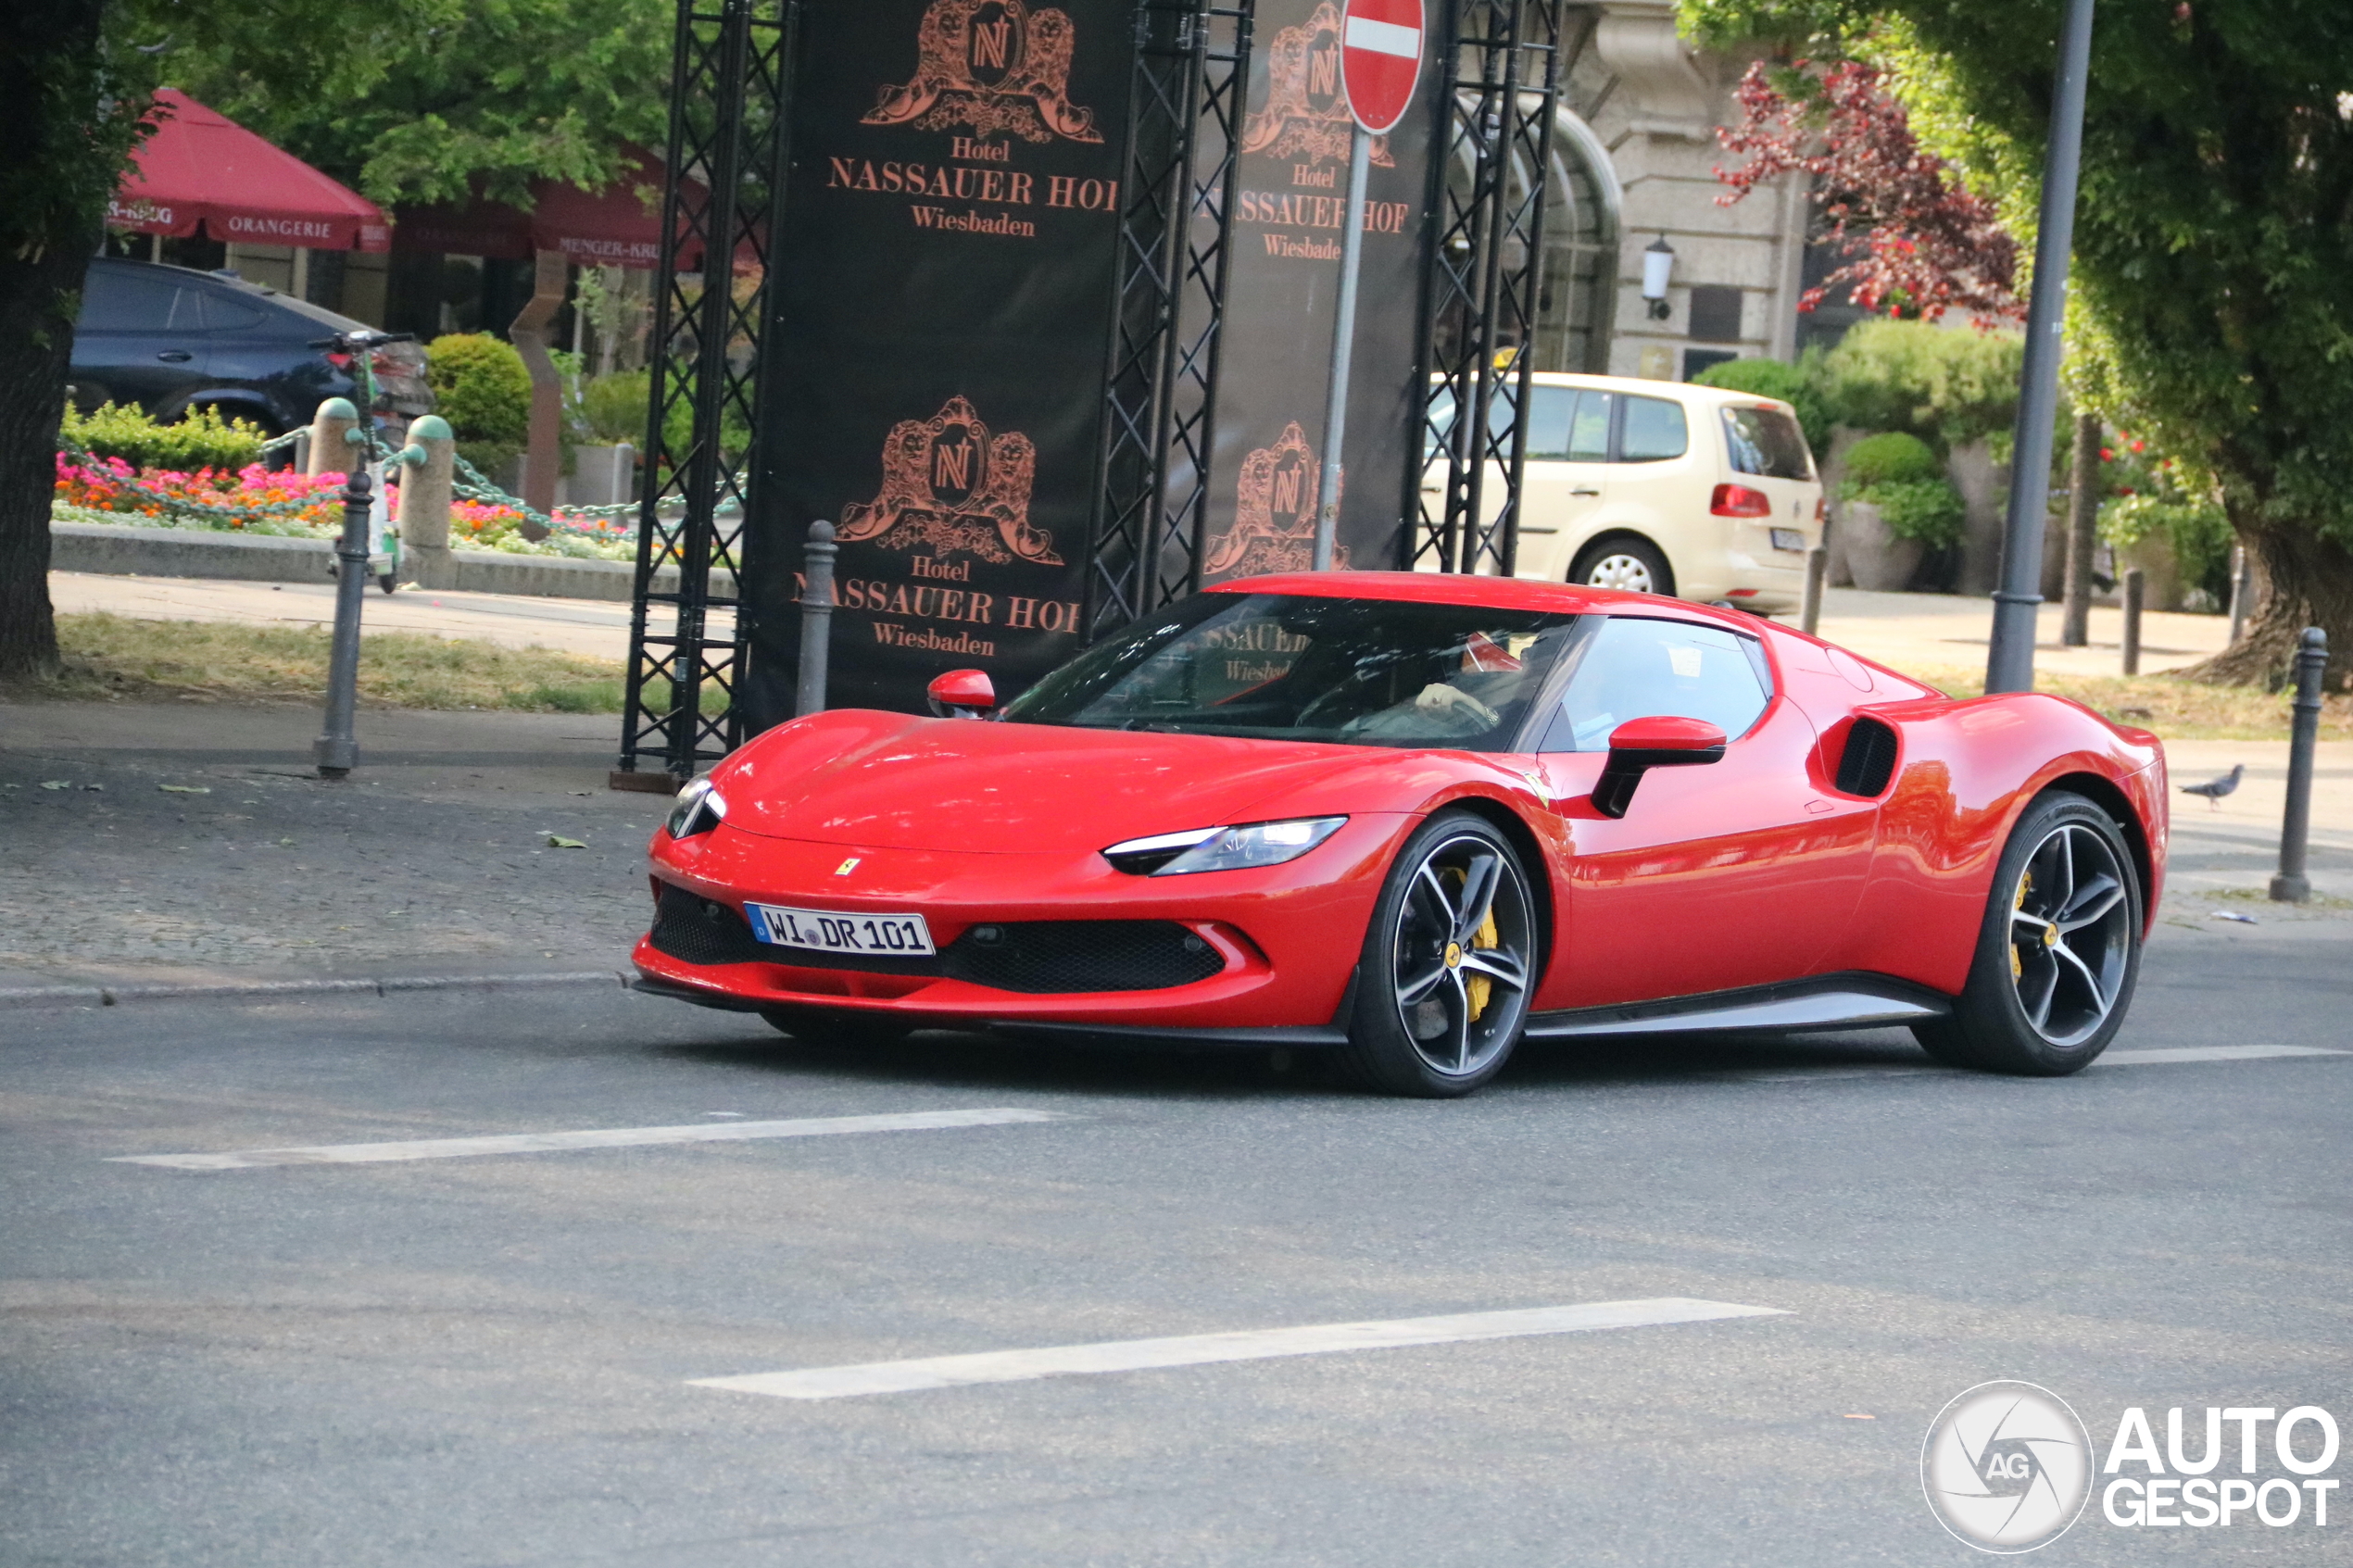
2310 585
36 346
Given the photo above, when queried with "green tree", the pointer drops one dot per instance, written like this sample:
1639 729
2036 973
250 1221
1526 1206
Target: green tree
2208 304
449 97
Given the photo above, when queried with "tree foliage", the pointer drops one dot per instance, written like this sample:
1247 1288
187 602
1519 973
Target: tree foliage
1918 240
2210 310
438 98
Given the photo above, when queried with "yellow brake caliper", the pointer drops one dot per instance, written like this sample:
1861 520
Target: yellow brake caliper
2025 884
1478 987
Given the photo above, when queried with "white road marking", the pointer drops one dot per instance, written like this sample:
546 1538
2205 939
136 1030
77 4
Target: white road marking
1201 1349
2210 1053
600 1137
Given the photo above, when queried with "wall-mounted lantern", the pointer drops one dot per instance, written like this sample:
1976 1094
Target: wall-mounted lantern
1658 265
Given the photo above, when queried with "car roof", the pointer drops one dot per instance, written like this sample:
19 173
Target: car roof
229 283
1497 593
1688 390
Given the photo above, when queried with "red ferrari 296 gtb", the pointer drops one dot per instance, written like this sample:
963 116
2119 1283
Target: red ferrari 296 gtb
1414 819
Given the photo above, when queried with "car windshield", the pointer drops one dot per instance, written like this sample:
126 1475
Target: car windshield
1282 667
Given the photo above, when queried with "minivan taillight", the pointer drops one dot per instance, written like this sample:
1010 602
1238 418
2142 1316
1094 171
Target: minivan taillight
1739 500
1822 510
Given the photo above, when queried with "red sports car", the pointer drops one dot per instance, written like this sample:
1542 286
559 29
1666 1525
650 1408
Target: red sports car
1414 819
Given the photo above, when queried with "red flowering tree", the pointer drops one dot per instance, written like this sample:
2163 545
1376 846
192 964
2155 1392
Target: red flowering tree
1918 242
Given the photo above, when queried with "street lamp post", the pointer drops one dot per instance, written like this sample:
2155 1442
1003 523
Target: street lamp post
2009 661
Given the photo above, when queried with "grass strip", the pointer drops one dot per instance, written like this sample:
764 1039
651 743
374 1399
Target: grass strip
118 658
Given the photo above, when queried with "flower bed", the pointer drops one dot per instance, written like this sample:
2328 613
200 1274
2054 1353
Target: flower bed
285 504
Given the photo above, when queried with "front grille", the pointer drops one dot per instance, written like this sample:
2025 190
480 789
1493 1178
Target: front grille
1044 956
696 930
1868 761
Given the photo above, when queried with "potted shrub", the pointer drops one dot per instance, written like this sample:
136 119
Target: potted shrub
1895 506
481 387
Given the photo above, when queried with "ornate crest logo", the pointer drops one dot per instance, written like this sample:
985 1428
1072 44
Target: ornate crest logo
1275 504
949 484
995 65
1306 112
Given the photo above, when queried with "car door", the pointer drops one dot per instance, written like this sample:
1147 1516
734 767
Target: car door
1738 872
140 339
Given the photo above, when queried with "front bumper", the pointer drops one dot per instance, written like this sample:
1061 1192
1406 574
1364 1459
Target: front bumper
1290 935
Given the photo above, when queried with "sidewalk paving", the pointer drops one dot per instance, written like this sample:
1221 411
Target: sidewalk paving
433 858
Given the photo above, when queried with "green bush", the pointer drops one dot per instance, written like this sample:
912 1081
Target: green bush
613 407
1928 510
1793 385
1894 458
1949 385
2198 531
202 439
481 387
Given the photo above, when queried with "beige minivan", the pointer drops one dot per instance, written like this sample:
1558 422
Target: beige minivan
1661 487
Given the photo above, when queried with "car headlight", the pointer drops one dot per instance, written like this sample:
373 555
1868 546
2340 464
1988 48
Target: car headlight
1222 848
700 808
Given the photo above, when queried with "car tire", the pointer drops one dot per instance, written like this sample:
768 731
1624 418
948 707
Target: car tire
2058 951
1623 561
813 1026
1450 958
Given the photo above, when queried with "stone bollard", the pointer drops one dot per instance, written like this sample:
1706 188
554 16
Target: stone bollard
431 461
331 441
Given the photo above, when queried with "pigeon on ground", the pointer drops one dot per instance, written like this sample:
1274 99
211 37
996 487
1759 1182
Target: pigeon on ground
2214 789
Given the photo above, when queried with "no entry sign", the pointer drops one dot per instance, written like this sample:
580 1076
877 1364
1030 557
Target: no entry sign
1380 58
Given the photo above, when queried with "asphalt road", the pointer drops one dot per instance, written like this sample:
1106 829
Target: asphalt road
491 1357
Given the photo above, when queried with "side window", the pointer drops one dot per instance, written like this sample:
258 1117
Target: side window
117 302
1549 420
1589 429
1766 442
223 314
1654 431
1634 668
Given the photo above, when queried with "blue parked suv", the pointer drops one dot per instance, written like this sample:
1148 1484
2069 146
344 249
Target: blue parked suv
170 339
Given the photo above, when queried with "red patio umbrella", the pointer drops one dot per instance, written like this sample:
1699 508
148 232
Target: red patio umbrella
200 169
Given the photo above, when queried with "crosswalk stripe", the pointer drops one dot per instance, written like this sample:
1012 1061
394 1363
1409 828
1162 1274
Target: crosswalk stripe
1246 1345
599 1137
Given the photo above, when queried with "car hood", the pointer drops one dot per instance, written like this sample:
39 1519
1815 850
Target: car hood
887 781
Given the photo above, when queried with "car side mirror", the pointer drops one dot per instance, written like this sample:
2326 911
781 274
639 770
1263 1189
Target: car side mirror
1639 745
961 694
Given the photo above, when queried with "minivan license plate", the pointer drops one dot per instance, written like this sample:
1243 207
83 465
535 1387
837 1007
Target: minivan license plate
833 931
1789 539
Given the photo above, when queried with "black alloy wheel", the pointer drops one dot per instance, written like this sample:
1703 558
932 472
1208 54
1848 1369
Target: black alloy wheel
1448 961
2059 950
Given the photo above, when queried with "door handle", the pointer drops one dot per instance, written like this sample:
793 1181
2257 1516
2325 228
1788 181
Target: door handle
175 355
1585 492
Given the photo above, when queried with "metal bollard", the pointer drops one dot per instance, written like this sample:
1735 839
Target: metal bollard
2135 593
817 618
336 752
2291 886
1810 606
2242 589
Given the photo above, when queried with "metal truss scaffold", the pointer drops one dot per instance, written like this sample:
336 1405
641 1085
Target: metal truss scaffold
727 158
1481 299
1190 83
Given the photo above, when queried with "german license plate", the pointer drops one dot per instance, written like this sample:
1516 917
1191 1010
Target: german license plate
1789 539
832 931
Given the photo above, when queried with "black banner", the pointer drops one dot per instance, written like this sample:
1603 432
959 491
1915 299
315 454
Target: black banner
1282 295
941 295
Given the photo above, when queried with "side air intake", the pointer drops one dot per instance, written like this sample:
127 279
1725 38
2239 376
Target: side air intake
1868 761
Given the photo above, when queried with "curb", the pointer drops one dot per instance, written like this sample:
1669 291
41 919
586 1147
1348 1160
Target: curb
112 996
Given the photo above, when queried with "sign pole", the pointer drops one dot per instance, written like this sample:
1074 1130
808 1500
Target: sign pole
1351 257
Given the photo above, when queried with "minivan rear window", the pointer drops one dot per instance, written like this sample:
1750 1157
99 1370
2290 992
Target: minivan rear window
1766 442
